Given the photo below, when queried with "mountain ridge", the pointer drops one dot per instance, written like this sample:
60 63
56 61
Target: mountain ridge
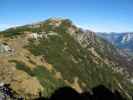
56 53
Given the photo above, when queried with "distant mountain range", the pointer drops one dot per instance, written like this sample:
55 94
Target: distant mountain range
121 40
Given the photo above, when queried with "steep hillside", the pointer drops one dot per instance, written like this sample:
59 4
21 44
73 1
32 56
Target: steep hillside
41 57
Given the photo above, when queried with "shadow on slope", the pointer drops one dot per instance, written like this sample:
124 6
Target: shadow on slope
98 93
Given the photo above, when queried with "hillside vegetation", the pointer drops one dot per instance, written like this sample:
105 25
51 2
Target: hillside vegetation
61 54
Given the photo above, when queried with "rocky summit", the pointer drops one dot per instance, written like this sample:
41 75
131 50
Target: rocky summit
41 57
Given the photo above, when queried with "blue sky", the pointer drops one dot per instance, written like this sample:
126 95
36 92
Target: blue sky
96 15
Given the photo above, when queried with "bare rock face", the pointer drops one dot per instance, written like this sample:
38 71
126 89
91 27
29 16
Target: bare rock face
5 48
89 37
55 21
85 37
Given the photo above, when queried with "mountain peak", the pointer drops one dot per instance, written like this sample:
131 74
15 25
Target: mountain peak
56 53
127 37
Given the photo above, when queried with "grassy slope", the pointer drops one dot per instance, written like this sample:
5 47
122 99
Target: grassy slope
59 51
68 57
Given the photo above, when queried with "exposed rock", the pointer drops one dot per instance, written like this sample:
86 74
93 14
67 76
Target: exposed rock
5 48
35 35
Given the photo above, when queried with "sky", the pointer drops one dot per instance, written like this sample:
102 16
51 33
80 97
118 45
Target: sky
96 15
